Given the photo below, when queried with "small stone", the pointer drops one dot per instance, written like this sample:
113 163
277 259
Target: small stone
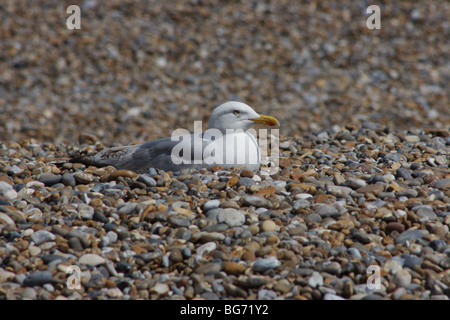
42 236
263 264
124 267
410 235
331 296
176 255
91 259
178 221
268 225
257 202
232 217
315 280
442 184
247 173
83 178
75 244
49 179
355 183
28 294
209 268
404 173
410 260
211 204
122 173
5 219
38 278
327 211
160 288
372 188
114 293
68 179
265 294
333 268
246 182
34 251
233 268
395 226
425 212
86 212
147 180
409 193
402 278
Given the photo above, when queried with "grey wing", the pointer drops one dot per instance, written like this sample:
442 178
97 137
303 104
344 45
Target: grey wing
141 157
161 154
156 154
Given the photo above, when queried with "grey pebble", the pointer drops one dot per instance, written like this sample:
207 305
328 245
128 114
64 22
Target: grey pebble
246 182
147 180
404 173
410 235
402 278
257 202
230 216
425 212
211 204
178 221
38 278
209 268
42 236
410 260
409 193
75 244
442 184
68 179
326 211
49 179
28 294
263 264
315 280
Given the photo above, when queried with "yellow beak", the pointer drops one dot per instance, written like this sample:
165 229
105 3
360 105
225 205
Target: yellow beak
266 120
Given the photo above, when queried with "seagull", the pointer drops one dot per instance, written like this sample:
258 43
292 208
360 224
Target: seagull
228 142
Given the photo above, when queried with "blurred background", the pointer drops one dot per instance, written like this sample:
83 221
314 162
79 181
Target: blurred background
137 70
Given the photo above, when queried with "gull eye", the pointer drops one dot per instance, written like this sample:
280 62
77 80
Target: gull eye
236 112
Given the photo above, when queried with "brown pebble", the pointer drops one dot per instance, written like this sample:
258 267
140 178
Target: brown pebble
86 138
233 268
247 173
176 255
268 225
391 226
216 168
232 181
122 173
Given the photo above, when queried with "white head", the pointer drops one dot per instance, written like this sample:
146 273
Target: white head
237 115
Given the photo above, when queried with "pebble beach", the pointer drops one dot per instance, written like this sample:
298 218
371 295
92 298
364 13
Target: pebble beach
364 152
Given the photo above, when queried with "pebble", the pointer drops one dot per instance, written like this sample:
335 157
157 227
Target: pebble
257 202
49 179
410 235
315 280
326 211
91 259
42 236
402 279
232 217
160 289
209 268
263 264
38 278
268 225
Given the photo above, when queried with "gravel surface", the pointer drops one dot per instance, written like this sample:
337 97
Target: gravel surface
364 175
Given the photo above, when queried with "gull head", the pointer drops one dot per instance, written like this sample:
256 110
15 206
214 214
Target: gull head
237 115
